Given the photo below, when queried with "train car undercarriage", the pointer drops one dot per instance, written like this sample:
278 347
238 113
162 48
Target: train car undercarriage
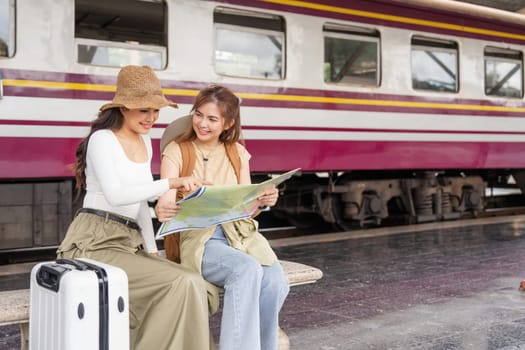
36 215
347 202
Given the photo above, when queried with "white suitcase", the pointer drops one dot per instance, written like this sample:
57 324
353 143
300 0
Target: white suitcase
78 304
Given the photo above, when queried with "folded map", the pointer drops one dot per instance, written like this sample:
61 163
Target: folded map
214 205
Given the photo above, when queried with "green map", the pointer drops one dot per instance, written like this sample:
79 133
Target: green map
213 205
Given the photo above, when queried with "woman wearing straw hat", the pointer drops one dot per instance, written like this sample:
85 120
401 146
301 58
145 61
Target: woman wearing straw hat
168 303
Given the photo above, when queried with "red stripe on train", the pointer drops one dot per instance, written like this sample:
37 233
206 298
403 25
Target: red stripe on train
43 157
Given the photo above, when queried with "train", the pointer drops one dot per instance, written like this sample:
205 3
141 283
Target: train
391 108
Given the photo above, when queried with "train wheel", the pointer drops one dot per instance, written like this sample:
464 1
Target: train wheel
337 207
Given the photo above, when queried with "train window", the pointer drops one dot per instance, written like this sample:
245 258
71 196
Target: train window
503 72
351 55
434 64
249 44
121 32
7 28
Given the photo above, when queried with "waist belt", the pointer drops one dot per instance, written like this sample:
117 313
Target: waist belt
106 214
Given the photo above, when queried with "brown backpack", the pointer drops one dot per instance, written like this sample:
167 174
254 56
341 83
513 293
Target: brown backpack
172 241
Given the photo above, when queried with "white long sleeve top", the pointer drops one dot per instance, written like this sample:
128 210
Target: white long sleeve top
116 184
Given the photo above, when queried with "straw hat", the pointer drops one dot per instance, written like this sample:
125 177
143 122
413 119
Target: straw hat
138 87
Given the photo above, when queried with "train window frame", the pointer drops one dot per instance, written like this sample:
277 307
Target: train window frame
125 43
442 46
7 32
244 22
357 34
498 55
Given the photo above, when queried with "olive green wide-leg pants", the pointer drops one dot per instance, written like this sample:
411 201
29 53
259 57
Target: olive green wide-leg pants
168 303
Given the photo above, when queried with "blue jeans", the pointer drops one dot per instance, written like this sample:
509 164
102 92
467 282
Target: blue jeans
253 295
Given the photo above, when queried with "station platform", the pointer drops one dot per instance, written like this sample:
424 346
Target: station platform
451 285
439 286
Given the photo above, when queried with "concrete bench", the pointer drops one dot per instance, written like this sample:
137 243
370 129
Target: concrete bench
14 309
297 274
14 305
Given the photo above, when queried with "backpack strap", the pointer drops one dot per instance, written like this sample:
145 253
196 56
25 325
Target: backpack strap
188 158
172 242
233 156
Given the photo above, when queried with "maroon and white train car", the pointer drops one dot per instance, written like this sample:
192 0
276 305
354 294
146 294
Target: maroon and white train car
389 107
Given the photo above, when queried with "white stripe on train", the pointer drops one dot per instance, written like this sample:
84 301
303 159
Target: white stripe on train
63 110
47 131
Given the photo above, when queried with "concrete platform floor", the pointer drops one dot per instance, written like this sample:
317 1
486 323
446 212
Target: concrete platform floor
440 286
453 286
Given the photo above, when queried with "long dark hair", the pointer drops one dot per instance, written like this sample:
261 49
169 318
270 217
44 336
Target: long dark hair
109 119
229 106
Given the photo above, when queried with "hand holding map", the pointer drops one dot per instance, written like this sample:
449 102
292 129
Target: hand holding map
213 205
